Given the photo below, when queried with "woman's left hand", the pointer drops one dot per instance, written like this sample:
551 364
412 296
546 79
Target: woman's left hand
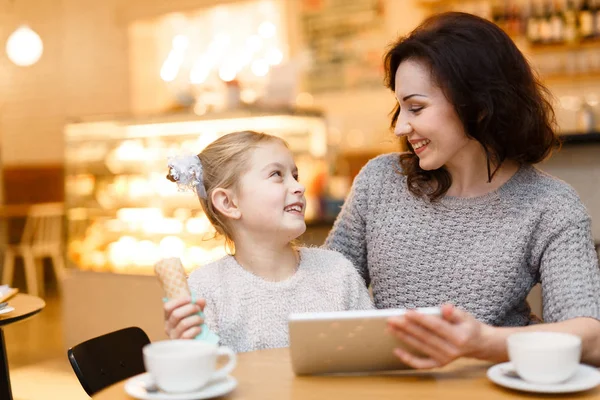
442 340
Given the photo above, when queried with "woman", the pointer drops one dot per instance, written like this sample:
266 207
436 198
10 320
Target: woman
463 217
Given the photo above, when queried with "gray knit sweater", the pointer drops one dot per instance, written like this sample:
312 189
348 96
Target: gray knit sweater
250 313
482 254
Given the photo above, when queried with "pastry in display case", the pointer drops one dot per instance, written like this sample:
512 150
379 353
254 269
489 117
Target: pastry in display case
124 215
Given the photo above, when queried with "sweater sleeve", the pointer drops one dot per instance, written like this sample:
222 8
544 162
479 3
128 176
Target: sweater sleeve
348 235
570 274
358 294
201 288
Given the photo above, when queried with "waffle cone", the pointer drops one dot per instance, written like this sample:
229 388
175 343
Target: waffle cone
171 275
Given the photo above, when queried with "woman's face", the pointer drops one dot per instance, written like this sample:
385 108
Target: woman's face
429 120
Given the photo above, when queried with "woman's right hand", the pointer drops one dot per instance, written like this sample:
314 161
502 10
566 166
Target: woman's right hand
181 319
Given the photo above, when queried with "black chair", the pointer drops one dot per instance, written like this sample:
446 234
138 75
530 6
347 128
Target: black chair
108 359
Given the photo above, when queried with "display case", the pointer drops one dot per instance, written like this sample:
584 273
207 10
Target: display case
123 214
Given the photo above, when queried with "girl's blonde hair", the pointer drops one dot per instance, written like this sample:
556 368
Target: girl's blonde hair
223 162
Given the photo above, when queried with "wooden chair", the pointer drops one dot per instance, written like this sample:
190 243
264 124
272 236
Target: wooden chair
108 359
42 238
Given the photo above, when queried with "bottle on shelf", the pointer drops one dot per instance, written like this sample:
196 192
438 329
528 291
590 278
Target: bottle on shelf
596 17
499 15
586 20
586 120
546 23
533 23
514 19
557 22
571 30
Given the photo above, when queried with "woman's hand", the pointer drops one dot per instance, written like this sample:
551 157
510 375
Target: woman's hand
181 319
442 340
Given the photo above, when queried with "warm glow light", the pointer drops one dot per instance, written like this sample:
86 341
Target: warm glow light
260 68
244 58
222 40
267 30
120 253
262 123
139 214
130 150
24 47
180 42
146 253
97 260
195 256
254 43
200 70
205 139
170 67
171 246
248 96
227 73
200 108
165 226
274 56
204 52
198 226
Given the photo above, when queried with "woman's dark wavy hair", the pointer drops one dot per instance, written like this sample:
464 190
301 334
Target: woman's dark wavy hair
499 100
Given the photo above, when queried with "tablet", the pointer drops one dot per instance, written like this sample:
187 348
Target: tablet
346 341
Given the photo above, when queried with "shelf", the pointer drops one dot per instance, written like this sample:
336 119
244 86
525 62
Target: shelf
569 139
189 115
562 47
445 3
570 78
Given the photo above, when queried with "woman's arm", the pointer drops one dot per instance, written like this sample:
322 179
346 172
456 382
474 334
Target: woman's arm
570 277
493 341
458 334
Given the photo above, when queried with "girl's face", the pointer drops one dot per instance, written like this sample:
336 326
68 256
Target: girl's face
428 119
270 198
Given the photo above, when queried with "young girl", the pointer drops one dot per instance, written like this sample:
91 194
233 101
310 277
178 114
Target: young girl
248 186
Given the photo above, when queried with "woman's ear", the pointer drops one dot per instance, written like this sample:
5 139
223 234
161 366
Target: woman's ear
225 202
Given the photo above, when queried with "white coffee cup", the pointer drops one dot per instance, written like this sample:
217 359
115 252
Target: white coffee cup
544 357
183 366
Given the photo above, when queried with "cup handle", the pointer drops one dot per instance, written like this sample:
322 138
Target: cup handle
227 368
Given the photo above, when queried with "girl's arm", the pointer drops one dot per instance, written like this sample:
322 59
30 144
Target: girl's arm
348 235
358 297
203 289
181 318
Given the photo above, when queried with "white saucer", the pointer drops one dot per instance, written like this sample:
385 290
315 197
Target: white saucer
136 387
585 378
6 310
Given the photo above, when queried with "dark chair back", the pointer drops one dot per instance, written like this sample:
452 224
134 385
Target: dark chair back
108 359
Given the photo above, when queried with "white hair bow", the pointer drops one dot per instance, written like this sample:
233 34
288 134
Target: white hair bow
187 172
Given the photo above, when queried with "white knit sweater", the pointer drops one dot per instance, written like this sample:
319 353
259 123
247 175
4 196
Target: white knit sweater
250 313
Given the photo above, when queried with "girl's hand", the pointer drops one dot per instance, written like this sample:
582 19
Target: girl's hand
181 321
442 340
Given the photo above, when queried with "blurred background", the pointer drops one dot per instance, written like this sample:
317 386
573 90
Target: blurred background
95 95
